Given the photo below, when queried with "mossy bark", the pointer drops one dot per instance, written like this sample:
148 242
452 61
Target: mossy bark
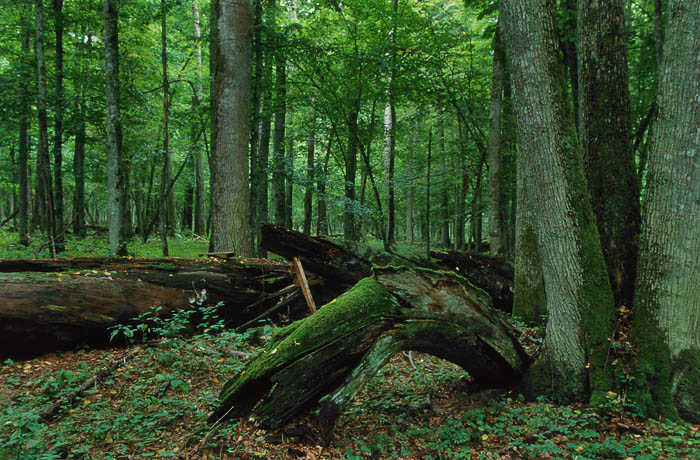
605 135
666 323
327 357
579 298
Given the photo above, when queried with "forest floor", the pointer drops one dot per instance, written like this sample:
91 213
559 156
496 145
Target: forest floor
155 405
418 407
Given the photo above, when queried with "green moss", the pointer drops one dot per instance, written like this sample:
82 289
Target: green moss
685 372
330 322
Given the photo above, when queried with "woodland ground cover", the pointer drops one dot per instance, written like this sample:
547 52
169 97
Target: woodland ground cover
417 407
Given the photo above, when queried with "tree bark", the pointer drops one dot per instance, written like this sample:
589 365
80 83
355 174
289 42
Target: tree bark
529 301
322 214
23 153
278 145
349 225
115 168
231 121
199 203
45 184
605 138
165 211
310 173
572 365
255 168
58 127
496 227
666 324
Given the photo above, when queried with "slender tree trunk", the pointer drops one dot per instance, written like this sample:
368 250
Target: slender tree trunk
188 199
444 224
79 150
310 173
605 137
288 169
115 168
43 166
496 227
389 160
580 304
567 43
164 215
666 324
410 190
427 194
23 160
231 229
349 229
58 126
460 223
321 213
264 156
199 202
278 168
256 169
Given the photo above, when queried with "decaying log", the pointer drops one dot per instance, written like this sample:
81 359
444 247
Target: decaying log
326 358
48 305
344 264
492 274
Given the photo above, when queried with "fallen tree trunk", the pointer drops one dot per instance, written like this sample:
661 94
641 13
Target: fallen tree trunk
326 358
343 265
48 305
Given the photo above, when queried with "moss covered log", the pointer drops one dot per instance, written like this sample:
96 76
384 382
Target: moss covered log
325 359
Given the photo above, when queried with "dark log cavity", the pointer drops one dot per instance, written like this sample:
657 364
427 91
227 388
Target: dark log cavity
48 305
326 358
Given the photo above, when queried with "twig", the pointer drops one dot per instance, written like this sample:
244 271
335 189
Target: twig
304 285
50 412
288 299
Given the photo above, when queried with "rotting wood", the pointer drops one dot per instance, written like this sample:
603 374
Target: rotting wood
56 304
344 264
325 359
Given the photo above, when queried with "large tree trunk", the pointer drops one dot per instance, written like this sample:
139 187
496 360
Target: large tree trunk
116 202
61 303
666 325
580 305
231 229
496 228
327 358
605 135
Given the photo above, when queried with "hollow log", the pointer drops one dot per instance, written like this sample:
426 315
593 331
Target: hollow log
344 264
48 305
325 359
